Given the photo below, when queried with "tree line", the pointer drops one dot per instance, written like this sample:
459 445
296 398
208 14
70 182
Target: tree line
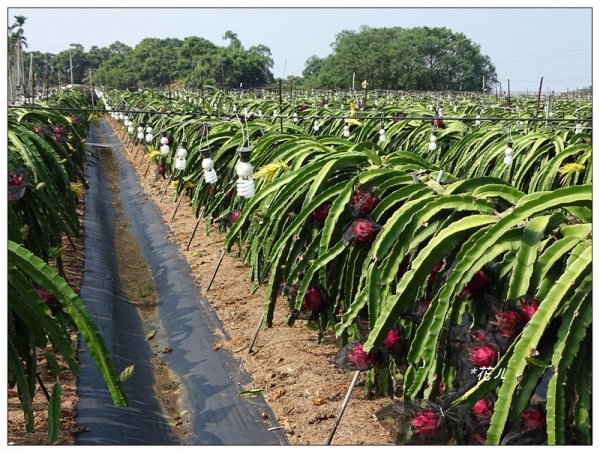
155 63
421 58
394 58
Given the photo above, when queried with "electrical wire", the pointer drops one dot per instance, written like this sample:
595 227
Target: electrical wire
344 117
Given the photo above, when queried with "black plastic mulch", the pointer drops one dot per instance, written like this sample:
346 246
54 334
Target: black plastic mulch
211 380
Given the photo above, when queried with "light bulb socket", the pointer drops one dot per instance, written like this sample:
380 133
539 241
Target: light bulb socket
244 153
510 143
205 153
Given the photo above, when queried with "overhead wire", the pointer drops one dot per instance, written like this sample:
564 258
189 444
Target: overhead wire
251 115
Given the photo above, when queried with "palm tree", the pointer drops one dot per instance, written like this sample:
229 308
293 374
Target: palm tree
17 42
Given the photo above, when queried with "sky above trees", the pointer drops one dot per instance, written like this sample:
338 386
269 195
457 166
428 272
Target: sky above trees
523 44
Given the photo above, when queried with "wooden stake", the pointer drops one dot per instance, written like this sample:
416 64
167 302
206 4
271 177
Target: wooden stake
255 336
187 247
166 186
148 167
212 279
178 203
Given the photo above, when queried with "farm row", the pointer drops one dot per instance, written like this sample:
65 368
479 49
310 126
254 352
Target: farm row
446 241
452 258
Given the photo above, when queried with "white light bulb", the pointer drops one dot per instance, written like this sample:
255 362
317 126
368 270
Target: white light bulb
182 153
316 126
432 138
477 119
149 130
149 137
130 130
508 154
578 128
180 164
164 140
245 183
346 131
164 149
432 146
210 175
275 113
295 117
140 135
140 129
181 158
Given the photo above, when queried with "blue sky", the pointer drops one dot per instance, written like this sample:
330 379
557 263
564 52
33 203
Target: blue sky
523 43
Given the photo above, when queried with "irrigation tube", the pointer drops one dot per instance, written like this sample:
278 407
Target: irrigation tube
211 380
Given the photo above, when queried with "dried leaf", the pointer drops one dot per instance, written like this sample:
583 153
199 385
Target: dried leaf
150 335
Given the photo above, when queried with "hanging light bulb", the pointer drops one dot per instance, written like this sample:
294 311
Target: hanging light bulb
295 117
149 135
130 129
346 131
478 119
181 157
164 145
126 120
140 133
382 134
234 109
432 142
245 183
275 113
316 126
578 128
210 175
508 153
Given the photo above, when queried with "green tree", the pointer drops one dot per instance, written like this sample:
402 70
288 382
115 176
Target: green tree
312 67
420 58
16 43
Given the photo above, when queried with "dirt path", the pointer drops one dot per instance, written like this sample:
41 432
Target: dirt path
302 387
